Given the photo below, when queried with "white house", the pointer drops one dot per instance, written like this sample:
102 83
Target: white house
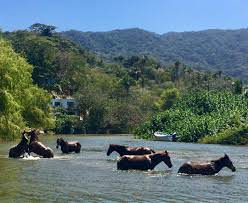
68 103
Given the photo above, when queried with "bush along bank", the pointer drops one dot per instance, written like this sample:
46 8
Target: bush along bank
204 116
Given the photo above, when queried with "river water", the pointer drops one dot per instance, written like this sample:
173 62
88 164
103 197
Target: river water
91 176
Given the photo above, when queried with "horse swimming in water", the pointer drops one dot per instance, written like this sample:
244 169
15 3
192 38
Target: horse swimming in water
207 168
124 150
20 149
67 147
37 147
143 162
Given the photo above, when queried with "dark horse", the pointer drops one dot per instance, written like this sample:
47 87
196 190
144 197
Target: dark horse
67 147
37 147
20 149
207 168
124 150
143 162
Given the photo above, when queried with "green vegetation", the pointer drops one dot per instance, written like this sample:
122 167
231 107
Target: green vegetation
111 97
209 50
22 104
133 93
233 136
215 114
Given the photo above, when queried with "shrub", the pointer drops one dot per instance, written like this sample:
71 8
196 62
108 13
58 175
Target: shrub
198 114
232 136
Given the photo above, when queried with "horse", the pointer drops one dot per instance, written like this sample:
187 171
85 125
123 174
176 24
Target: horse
20 149
207 168
37 147
143 162
67 147
124 150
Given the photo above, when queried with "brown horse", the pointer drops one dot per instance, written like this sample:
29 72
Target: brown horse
143 162
124 150
67 147
20 149
207 168
37 147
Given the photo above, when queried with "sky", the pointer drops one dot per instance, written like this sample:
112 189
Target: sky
158 16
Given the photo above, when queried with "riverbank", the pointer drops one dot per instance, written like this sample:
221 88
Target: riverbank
235 136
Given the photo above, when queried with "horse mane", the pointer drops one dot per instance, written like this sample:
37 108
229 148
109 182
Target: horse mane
153 151
159 154
118 146
219 162
220 159
24 138
33 136
155 155
61 141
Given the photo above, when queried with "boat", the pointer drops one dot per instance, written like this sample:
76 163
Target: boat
161 136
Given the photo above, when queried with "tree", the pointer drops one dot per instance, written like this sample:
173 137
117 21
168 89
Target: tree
127 82
22 104
168 98
42 29
175 71
238 87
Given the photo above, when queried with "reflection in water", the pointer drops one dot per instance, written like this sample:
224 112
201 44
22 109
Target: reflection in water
91 176
9 173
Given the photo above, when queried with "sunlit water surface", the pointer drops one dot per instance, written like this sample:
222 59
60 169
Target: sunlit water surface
91 176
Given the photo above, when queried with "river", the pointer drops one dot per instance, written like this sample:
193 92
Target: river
91 176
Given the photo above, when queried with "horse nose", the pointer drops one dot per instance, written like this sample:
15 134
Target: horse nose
233 169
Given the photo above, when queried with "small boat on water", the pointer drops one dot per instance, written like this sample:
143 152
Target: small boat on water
161 136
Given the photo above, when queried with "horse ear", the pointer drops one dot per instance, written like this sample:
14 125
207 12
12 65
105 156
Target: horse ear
226 155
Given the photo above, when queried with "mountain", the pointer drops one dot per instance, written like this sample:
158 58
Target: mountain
210 50
112 97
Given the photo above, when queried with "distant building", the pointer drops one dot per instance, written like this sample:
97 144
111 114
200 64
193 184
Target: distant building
68 104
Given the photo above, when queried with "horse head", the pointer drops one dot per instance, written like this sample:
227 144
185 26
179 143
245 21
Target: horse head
33 135
110 149
228 163
59 142
166 159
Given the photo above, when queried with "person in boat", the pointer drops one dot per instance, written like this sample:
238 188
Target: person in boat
67 147
143 162
208 167
19 150
37 147
125 150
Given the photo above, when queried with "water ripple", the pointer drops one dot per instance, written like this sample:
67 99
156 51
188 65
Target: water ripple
91 176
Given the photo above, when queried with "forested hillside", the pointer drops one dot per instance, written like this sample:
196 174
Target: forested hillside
112 98
132 94
214 50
